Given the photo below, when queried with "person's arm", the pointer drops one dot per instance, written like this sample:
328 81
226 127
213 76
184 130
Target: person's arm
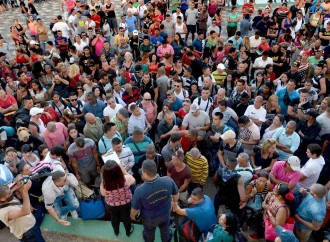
252 142
156 94
323 87
134 213
221 158
16 213
184 185
279 218
96 158
253 161
241 190
180 211
324 37
74 163
53 214
314 225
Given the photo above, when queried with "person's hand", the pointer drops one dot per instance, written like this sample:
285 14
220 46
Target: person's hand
149 126
174 206
78 177
98 168
242 205
47 114
63 222
254 191
300 133
302 190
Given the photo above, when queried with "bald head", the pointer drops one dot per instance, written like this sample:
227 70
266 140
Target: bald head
318 190
147 96
194 152
90 118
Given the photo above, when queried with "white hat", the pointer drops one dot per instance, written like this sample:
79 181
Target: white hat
229 134
33 42
221 66
294 162
34 111
194 108
135 32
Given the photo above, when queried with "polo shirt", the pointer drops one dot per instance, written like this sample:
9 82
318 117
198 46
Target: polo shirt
168 152
292 141
280 174
280 94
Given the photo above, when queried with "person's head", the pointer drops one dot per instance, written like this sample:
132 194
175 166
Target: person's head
258 101
23 134
314 151
195 153
169 117
291 85
268 146
91 98
290 127
28 102
217 118
318 191
229 223
244 121
229 136
192 134
175 139
303 95
137 135
293 163
11 153
90 118
109 129
151 152
177 158
243 159
149 170
80 143
223 104
194 110
318 69
278 120
135 109
282 190
113 176
197 196
240 84
57 152
59 178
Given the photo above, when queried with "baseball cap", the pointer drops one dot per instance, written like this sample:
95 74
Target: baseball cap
135 32
229 134
194 108
285 235
221 66
169 92
294 162
33 42
296 64
34 111
313 112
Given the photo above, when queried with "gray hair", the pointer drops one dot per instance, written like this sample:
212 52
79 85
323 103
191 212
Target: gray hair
91 94
137 131
51 126
194 152
243 156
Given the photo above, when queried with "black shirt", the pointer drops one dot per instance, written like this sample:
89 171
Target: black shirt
260 161
196 65
84 62
294 103
295 76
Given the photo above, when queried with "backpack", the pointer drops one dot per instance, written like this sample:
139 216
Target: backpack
208 102
78 108
191 232
41 171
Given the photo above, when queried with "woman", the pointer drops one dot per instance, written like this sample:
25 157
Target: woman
74 76
128 62
218 18
178 67
269 74
121 121
277 123
19 28
227 228
246 43
272 106
21 57
49 76
168 63
232 22
281 82
22 92
265 156
324 105
81 93
32 26
8 103
265 92
257 83
12 159
315 21
38 93
304 67
11 86
178 44
229 84
43 151
28 155
277 211
98 93
161 114
153 64
73 135
58 104
286 23
115 187
14 35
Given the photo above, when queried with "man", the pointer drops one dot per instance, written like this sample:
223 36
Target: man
311 219
63 27
324 35
199 169
138 143
229 148
121 34
173 145
188 78
17 216
236 39
62 44
261 62
153 199
244 168
256 112
85 160
324 120
245 26
196 65
286 172
87 59
294 73
55 134
22 115
167 126
93 128
168 26
240 73
198 43
42 33
94 106
197 119
137 120
164 50
191 17
255 41
219 74
202 213
109 51
204 102
319 80
76 107
162 82
238 91
276 55
312 92
286 95
179 92
249 133
56 189
110 132
124 154
206 74
149 85
146 48
172 101
79 23
287 140
298 107
242 104
229 115
131 94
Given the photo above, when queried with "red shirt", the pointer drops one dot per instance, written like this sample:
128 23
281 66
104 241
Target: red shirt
186 143
97 19
181 113
7 102
47 119
186 61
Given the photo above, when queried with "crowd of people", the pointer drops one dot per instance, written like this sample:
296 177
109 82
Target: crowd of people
177 93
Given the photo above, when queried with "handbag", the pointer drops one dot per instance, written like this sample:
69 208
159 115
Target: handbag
255 203
82 191
91 208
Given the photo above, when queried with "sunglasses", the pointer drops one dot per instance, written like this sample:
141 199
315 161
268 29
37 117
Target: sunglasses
79 88
73 100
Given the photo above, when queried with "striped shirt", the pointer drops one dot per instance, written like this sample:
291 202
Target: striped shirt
199 168
126 157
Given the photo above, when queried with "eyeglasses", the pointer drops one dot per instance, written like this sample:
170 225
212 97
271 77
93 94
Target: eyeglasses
73 100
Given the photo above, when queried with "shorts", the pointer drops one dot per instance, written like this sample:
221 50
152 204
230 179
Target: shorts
191 28
113 23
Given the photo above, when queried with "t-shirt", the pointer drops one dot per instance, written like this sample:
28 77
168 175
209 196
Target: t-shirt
181 176
191 16
311 170
202 214
227 114
259 114
260 161
153 198
7 102
85 156
250 133
325 33
191 121
280 174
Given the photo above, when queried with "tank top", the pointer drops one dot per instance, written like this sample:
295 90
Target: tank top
179 29
21 60
314 20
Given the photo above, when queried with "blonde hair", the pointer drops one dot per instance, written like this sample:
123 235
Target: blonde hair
246 43
23 133
266 144
74 70
269 103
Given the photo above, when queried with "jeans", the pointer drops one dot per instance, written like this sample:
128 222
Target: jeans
33 235
39 213
70 200
118 214
150 225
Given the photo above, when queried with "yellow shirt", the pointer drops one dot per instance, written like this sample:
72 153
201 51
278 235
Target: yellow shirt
199 169
117 39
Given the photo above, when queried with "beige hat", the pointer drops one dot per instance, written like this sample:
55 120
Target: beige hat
229 134
294 162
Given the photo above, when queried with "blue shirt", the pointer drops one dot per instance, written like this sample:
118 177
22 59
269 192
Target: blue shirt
203 214
314 7
96 109
156 41
138 149
281 93
176 105
236 42
153 198
105 144
198 45
311 209
292 141
131 23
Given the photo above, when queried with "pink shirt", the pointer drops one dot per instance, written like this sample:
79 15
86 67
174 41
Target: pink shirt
56 138
161 51
279 172
149 109
99 45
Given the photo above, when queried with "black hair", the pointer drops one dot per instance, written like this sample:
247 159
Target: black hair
315 149
231 223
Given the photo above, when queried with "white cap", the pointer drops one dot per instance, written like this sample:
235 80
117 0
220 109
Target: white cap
33 42
294 163
229 134
34 111
221 66
135 32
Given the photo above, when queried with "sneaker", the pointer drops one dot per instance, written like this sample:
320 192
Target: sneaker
64 217
74 214
254 237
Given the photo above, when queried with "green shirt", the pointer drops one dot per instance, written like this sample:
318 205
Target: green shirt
175 6
219 234
146 48
232 17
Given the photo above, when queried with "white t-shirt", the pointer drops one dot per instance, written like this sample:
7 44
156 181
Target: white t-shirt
260 63
254 43
175 15
106 29
80 47
204 104
133 10
311 170
110 112
91 25
64 27
141 10
182 95
71 21
259 114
